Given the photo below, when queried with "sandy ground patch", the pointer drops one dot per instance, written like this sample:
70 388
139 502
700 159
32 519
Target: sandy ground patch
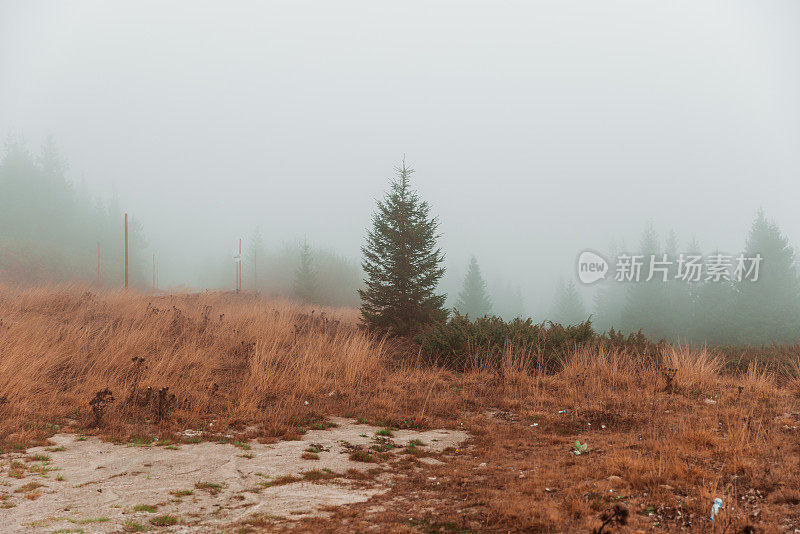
84 483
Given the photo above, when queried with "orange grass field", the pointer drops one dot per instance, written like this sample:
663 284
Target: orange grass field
267 369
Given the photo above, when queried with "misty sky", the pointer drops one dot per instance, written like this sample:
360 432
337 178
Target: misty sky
537 129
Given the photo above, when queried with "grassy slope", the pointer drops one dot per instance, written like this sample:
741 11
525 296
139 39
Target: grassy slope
262 368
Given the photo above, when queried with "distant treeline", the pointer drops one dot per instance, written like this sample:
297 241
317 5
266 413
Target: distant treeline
49 229
708 311
310 274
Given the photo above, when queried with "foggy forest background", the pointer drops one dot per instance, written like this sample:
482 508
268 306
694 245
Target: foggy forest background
50 229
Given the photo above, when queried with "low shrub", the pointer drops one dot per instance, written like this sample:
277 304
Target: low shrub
461 344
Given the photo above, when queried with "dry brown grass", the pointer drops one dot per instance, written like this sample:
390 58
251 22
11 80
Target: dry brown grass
254 367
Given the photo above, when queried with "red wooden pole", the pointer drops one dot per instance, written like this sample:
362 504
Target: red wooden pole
126 252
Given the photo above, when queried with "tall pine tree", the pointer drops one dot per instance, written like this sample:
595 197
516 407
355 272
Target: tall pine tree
402 263
473 300
769 308
645 302
610 297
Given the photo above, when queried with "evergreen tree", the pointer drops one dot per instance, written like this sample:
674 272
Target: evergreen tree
473 300
693 249
676 307
49 230
305 278
610 298
568 307
769 308
713 312
402 263
645 305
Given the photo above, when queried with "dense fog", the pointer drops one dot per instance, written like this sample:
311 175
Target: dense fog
537 130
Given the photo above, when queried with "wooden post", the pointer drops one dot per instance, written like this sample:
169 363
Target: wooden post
98 266
126 252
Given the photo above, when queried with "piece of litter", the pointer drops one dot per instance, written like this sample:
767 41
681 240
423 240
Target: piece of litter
716 507
306 403
535 424
562 411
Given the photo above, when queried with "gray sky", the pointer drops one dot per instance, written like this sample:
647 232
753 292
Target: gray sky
537 128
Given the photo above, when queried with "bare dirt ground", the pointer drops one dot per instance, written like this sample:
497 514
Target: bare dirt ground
81 484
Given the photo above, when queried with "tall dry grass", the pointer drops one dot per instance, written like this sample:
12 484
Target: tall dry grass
231 359
245 364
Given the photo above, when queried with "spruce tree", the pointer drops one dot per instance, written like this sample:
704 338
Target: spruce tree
713 318
610 297
305 278
676 307
473 300
769 308
49 231
644 308
402 263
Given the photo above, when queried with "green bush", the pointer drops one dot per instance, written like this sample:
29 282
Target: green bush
461 344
